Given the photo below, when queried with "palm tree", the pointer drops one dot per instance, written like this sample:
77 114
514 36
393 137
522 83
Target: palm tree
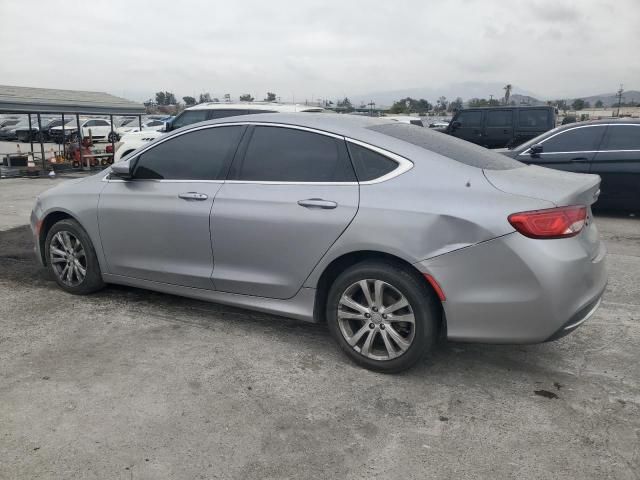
507 93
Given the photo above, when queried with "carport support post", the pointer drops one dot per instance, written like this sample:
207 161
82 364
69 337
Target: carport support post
79 141
64 150
113 143
140 122
44 161
30 136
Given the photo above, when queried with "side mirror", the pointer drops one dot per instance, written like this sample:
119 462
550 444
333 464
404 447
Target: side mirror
535 149
122 169
456 124
167 126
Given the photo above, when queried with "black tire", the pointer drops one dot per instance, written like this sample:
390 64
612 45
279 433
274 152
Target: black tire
92 280
113 137
425 307
73 137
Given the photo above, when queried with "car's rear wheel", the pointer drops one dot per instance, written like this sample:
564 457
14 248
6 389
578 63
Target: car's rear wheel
71 258
382 315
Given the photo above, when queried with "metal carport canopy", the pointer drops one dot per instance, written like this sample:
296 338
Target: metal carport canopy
46 100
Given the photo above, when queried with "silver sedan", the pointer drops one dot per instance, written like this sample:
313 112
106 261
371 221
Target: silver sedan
392 234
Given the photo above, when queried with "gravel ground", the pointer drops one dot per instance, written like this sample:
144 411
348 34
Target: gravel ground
134 384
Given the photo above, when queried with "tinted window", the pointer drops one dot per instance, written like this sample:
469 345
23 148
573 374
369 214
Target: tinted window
200 155
101 123
454 148
188 117
289 155
499 118
90 123
575 140
370 165
622 137
470 119
533 118
213 114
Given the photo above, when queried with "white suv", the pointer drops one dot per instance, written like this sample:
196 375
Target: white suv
205 111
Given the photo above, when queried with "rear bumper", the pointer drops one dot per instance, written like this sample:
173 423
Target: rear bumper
514 289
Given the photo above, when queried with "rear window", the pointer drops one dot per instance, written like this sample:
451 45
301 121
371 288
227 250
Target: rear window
622 137
533 118
454 148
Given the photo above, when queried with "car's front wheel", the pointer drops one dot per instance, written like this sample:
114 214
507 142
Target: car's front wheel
71 258
382 315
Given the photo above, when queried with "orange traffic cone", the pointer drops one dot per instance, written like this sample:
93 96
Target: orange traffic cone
52 157
31 166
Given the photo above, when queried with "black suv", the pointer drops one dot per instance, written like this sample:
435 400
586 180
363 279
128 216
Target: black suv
497 127
609 148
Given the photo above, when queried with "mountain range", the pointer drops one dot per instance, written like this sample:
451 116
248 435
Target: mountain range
469 90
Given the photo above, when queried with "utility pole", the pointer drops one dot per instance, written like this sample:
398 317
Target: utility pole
619 95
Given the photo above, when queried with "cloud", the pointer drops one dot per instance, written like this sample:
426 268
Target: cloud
317 48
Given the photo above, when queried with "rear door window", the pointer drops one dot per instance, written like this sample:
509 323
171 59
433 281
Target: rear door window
278 154
499 118
532 118
199 155
621 137
581 139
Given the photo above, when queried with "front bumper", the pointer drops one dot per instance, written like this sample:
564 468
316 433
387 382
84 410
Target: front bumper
514 289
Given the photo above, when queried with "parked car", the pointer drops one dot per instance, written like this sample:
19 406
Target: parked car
391 234
9 122
147 125
205 111
609 148
25 134
406 119
98 128
497 127
439 124
8 132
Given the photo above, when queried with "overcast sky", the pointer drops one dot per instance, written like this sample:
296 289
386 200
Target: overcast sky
319 48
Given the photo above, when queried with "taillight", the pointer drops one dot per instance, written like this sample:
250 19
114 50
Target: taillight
559 222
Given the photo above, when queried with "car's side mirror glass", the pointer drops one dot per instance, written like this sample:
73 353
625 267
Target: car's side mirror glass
536 149
122 169
167 126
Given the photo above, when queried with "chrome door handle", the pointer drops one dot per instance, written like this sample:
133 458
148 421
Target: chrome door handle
317 203
579 160
193 196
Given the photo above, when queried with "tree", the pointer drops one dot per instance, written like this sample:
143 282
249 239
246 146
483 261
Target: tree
408 105
246 98
204 98
271 97
441 104
599 104
160 98
578 104
216 99
507 93
227 97
189 101
166 98
455 105
345 105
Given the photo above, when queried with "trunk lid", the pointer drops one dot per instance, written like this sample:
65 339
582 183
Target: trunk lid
561 188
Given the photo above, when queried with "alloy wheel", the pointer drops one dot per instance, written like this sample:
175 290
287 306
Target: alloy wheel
68 258
376 319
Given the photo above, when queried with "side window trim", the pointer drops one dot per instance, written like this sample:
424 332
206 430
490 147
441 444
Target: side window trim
404 164
134 160
526 152
244 145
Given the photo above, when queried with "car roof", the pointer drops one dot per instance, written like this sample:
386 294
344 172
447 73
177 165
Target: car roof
276 107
